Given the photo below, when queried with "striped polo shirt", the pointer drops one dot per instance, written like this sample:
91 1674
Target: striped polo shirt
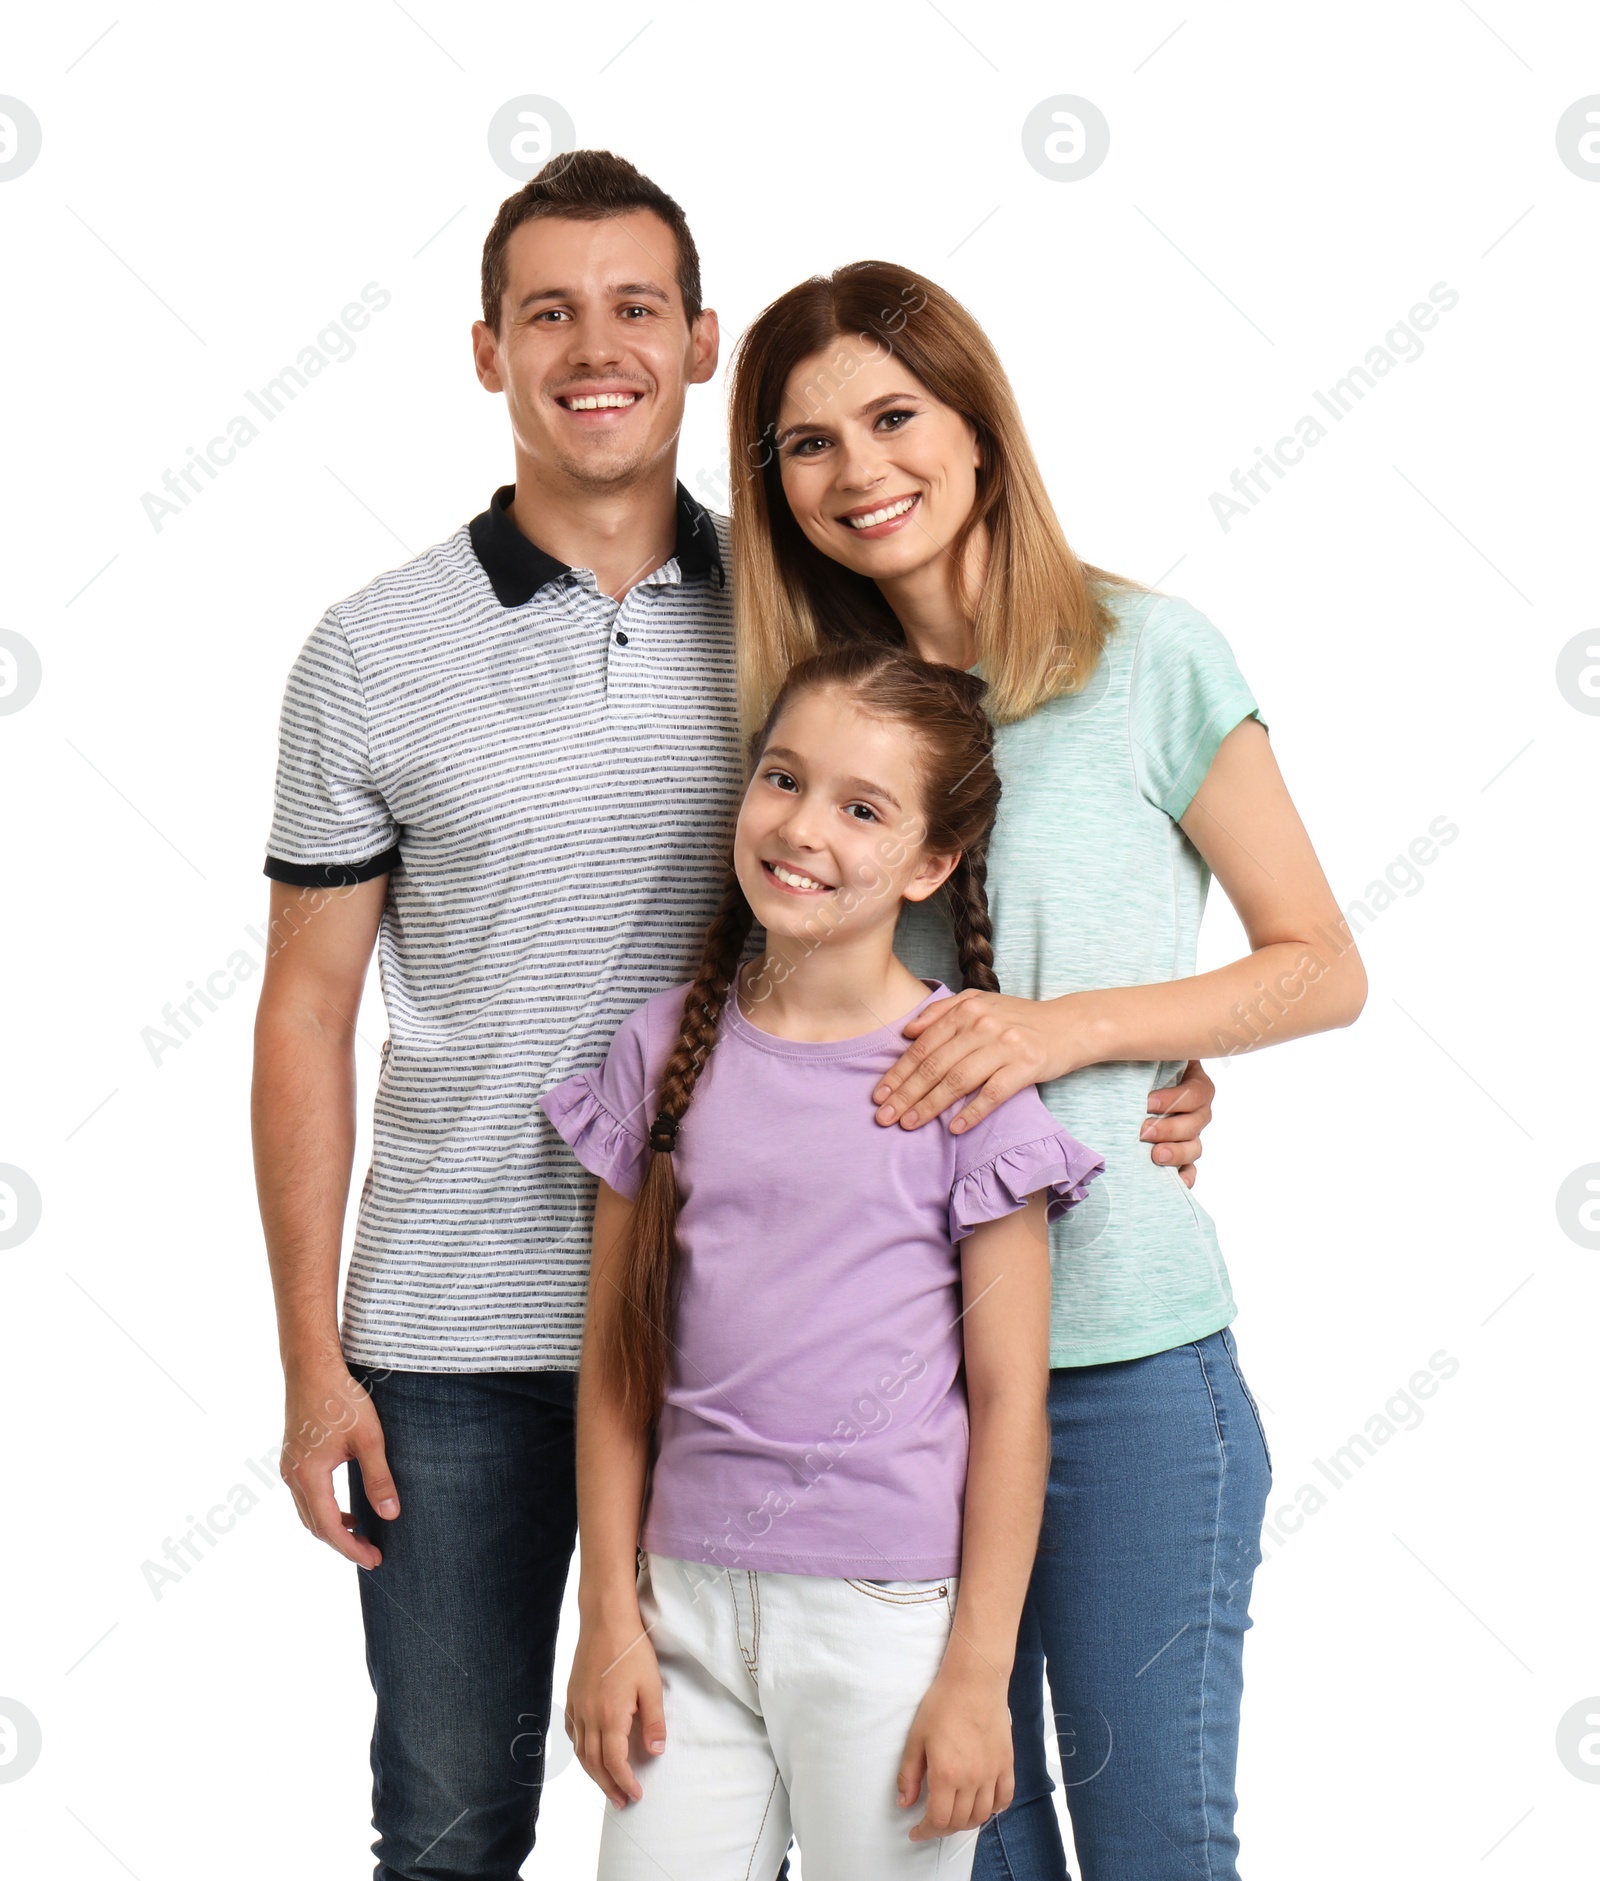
549 778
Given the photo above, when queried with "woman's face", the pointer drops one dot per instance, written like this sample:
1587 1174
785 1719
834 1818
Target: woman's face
830 832
878 473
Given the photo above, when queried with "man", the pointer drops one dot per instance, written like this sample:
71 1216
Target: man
512 765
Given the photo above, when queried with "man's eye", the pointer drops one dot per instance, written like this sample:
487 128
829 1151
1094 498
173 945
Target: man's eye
551 314
636 310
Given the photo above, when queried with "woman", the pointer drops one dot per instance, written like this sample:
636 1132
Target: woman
891 483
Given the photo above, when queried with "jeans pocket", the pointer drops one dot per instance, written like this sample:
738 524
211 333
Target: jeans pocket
1232 1351
903 1593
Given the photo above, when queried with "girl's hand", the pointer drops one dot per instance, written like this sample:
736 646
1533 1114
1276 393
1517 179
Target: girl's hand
961 1741
982 1043
615 1679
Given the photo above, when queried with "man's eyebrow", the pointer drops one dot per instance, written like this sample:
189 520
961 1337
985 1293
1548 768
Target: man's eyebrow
872 406
863 784
643 289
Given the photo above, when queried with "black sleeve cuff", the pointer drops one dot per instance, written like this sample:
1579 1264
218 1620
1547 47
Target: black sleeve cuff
332 874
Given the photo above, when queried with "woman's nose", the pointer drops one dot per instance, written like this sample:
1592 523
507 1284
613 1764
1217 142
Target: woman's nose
860 467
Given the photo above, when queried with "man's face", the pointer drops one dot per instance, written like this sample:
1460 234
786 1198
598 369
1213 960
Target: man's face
593 352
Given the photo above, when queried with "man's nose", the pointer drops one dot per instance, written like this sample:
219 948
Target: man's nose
593 341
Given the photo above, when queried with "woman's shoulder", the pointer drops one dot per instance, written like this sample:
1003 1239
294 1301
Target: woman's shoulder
1139 611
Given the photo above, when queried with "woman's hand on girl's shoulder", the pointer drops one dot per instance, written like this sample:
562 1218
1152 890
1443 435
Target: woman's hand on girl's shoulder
985 1046
615 1680
960 1740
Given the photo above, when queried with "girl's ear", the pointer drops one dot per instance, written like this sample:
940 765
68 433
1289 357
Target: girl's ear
931 875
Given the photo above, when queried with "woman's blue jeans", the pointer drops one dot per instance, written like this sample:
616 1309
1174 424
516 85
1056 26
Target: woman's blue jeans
1137 1611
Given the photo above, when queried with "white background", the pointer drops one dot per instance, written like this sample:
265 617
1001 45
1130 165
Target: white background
1282 185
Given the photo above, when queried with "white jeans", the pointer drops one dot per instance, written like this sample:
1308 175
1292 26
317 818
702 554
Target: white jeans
788 1700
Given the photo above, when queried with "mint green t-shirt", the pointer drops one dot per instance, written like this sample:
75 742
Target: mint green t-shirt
1093 884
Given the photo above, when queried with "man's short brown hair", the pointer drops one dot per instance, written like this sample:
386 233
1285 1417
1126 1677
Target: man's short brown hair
585 186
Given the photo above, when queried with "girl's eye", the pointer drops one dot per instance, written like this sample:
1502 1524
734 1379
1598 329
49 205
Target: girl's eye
871 813
781 778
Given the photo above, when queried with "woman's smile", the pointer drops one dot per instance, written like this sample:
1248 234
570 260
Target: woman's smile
882 518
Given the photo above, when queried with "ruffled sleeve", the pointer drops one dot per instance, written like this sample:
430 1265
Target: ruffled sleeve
1002 1183
601 1142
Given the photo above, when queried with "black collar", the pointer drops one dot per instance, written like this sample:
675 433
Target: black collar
518 569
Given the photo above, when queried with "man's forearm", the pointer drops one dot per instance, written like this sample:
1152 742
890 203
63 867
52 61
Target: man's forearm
303 1124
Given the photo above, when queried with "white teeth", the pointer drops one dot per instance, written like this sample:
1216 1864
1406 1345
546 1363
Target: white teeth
882 515
603 401
791 880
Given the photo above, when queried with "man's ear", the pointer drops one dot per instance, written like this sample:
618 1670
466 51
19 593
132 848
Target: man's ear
706 338
486 356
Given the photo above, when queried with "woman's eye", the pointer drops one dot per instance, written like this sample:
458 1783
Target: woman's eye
802 447
895 419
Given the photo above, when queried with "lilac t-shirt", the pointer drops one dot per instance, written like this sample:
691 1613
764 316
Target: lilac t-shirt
815 1419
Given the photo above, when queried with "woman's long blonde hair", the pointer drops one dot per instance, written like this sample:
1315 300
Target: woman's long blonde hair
1040 622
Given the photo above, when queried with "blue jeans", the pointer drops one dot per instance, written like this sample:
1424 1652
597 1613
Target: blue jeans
1138 1607
461 1616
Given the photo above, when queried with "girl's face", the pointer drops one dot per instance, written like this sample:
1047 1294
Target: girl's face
878 473
830 832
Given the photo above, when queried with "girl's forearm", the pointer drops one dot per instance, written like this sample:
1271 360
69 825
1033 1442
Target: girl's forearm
612 1459
1281 991
1007 1465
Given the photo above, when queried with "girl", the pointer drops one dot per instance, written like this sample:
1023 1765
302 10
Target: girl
822 1615
893 495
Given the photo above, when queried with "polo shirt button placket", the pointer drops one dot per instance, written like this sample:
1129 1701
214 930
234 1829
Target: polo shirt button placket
625 683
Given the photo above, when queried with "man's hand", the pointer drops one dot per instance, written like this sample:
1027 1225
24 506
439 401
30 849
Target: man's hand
1182 1111
960 1740
329 1419
615 1683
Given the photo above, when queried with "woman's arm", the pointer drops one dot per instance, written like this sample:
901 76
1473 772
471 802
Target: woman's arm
1302 975
961 1736
614 1673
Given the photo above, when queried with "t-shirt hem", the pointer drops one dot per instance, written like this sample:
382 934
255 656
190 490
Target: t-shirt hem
1138 1345
874 1567
378 1360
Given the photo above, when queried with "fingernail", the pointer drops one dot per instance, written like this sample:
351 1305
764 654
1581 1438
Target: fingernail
388 1508
1163 1155
910 1117
1148 1131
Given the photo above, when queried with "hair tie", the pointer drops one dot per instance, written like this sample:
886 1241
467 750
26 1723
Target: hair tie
664 1133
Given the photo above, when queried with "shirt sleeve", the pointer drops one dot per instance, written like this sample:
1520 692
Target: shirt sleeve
604 1113
1187 695
330 824
1017 1150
